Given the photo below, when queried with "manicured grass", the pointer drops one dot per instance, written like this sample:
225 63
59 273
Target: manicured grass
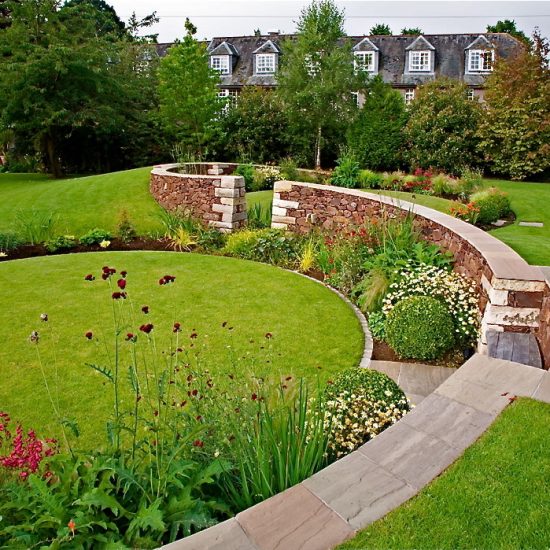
314 332
436 203
265 198
496 496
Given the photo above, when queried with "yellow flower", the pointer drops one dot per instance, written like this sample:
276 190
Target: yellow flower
104 243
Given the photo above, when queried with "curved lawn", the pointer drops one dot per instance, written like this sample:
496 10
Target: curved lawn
314 332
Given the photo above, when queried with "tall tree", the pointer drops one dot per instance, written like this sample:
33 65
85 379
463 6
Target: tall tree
515 131
316 77
189 103
442 125
509 26
380 29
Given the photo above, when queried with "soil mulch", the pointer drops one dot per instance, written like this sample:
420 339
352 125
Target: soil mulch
383 352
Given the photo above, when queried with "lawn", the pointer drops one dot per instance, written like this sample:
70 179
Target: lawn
81 204
496 496
254 299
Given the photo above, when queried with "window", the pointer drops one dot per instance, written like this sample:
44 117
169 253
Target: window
419 61
220 63
230 96
409 96
355 97
364 61
480 60
265 63
470 94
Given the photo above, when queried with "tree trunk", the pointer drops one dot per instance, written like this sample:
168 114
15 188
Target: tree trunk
318 149
53 160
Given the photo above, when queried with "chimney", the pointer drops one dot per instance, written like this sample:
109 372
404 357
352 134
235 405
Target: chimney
273 33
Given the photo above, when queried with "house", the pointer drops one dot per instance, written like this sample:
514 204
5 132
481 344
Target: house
403 61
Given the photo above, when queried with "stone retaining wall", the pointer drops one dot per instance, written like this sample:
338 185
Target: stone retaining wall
208 192
514 295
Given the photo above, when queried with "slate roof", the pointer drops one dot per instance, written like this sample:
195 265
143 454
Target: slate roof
449 51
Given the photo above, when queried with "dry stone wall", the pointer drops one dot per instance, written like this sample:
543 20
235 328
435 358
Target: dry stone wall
210 193
514 295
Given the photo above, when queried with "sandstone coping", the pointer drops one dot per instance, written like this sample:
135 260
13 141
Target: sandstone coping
350 494
208 192
515 296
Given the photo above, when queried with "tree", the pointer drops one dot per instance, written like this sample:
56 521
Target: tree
107 20
376 137
380 29
442 125
509 26
188 93
515 131
414 31
316 77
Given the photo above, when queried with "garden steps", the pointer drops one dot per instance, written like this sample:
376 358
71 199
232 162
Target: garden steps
514 346
415 379
350 494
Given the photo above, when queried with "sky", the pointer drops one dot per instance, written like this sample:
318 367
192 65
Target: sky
229 18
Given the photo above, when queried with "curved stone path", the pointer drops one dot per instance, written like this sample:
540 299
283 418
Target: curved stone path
353 492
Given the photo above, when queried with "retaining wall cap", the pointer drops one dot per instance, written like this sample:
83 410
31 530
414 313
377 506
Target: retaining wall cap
503 261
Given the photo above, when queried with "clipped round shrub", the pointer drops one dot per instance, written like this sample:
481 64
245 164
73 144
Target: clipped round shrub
361 403
492 204
420 327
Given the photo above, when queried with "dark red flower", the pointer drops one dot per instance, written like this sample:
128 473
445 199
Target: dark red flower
166 280
198 443
119 295
177 327
89 335
194 393
199 417
121 283
89 277
268 335
253 397
145 309
123 274
193 335
146 328
130 337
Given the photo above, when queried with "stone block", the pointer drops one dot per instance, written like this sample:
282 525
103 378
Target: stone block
359 490
289 220
294 519
282 186
228 535
511 316
233 202
232 182
227 193
285 204
223 208
497 297
524 286
485 328
215 172
276 225
234 217
221 224
279 211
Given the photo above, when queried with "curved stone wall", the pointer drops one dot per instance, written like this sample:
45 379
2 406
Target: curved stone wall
515 295
207 191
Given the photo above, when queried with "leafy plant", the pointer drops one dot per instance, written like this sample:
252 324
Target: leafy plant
210 239
247 172
125 230
95 236
63 242
259 216
308 256
369 179
420 327
289 169
491 203
35 226
9 241
377 325
346 173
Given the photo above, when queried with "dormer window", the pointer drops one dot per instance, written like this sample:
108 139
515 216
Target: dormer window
480 60
363 61
420 60
265 63
220 63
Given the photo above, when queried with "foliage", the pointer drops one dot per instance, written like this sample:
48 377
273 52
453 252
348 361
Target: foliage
255 128
265 177
95 236
377 325
380 29
491 204
369 179
289 169
346 173
442 126
187 89
35 226
420 327
414 31
63 242
210 239
316 75
247 172
80 98
455 291
9 241
515 130
509 26
125 230
259 216
308 254
376 137
361 403
468 212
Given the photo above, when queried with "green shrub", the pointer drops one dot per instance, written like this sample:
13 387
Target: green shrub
265 177
377 325
63 242
125 229
361 403
443 185
470 181
289 169
369 179
392 180
35 226
210 239
9 241
95 236
420 327
247 172
492 204
259 216
346 173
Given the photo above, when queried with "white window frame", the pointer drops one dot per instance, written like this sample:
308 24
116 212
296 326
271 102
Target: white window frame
359 63
481 61
409 96
265 63
470 94
231 96
420 61
220 63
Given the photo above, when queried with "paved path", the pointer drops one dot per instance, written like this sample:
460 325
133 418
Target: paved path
546 272
364 486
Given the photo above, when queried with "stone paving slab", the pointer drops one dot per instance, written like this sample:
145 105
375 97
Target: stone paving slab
531 224
456 424
295 519
358 489
228 535
542 393
409 454
422 379
391 368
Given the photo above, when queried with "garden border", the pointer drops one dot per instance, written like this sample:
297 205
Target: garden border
515 297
